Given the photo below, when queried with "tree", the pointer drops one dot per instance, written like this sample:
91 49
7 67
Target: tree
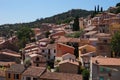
115 44
76 24
85 74
101 10
24 35
95 10
118 4
98 9
47 34
118 10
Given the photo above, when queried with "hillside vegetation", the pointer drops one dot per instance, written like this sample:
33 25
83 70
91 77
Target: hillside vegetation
65 17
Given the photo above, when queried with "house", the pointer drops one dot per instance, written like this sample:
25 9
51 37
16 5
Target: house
15 72
68 56
31 48
90 28
103 68
2 74
33 73
86 49
6 64
57 34
115 27
63 49
37 60
37 32
103 44
69 66
85 53
7 55
50 52
66 40
90 34
3 67
60 76
102 21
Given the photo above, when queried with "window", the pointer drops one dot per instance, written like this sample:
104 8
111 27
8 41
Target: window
101 78
48 50
54 51
9 76
16 76
28 78
107 69
105 41
37 59
34 78
37 65
42 50
101 47
101 69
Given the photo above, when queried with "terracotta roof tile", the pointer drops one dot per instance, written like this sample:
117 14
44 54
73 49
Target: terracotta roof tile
60 76
69 61
17 68
106 61
34 71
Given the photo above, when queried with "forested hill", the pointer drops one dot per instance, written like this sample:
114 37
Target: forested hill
59 18
67 16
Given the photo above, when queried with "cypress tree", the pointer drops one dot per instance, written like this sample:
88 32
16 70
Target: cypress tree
76 24
101 9
98 9
95 9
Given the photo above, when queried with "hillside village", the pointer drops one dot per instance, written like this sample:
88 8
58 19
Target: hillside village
63 56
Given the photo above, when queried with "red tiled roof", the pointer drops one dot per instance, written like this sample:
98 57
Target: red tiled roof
106 61
34 71
10 53
69 61
60 76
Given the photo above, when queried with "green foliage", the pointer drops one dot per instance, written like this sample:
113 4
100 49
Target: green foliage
57 69
24 35
101 10
118 10
49 68
98 8
75 34
115 44
27 62
76 24
85 74
118 4
65 17
47 34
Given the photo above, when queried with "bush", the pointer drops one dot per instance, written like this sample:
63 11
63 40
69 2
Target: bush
85 74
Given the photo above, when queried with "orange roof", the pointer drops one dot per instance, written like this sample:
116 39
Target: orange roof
106 61
10 53
66 45
65 39
69 61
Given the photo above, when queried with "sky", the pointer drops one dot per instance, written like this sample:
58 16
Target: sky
19 11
